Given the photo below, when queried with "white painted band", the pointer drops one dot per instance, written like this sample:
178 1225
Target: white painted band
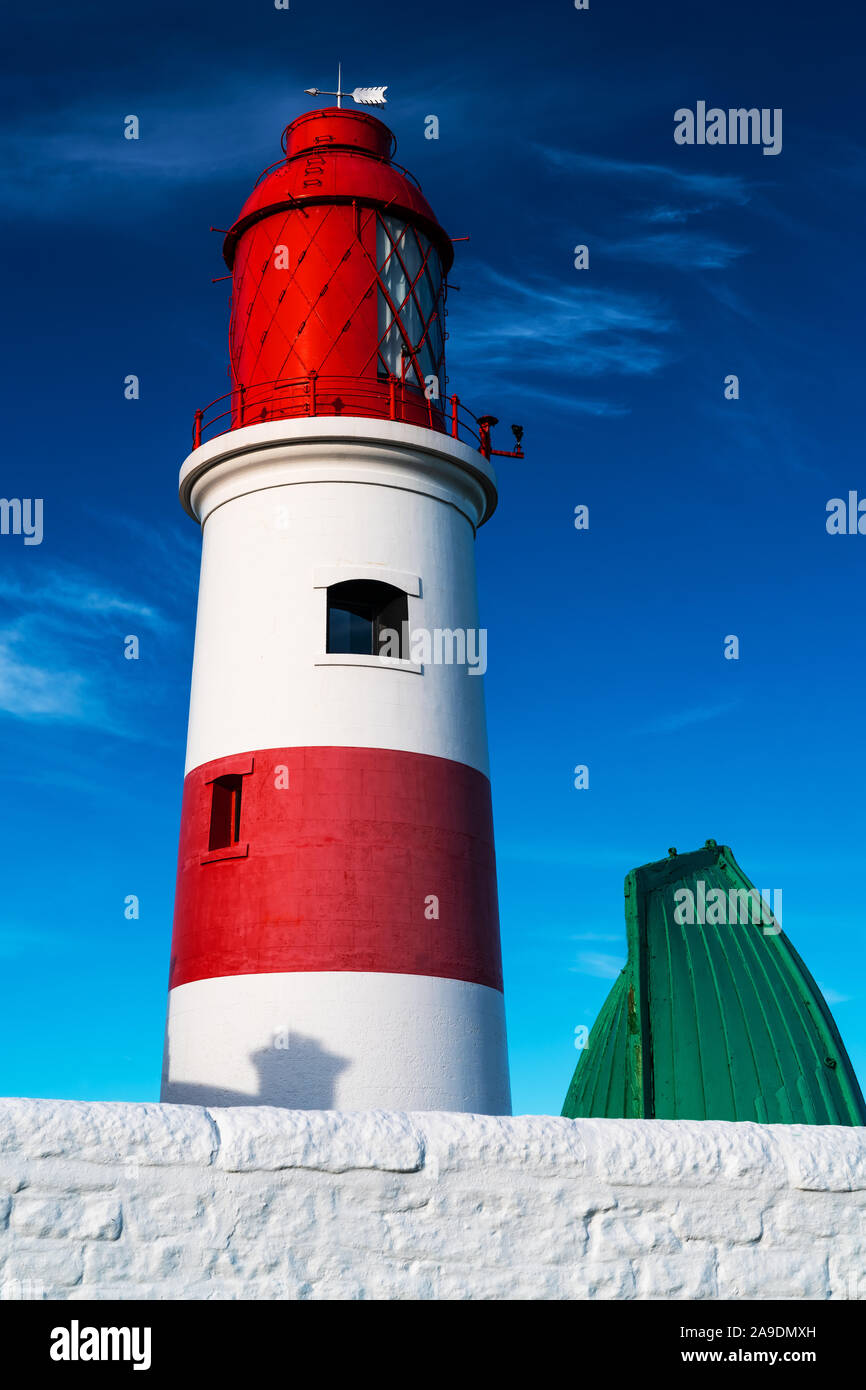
337 1040
344 450
259 675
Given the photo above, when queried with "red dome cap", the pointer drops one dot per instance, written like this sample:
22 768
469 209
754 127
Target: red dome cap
337 127
338 155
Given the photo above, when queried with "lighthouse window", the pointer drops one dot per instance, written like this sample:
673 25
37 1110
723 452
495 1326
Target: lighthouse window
365 616
225 812
410 308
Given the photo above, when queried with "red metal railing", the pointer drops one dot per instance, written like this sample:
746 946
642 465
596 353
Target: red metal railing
379 398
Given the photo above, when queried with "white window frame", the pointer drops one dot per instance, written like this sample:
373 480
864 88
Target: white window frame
325 576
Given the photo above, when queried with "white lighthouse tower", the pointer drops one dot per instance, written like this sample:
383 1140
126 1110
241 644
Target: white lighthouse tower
336 935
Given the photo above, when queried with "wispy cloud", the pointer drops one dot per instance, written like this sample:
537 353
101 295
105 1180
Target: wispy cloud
69 591
566 400
734 303
60 648
719 188
30 691
552 328
77 156
685 250
595 963
682 719
665 214
833 996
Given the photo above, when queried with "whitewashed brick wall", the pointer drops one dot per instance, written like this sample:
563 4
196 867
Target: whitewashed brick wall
160 1201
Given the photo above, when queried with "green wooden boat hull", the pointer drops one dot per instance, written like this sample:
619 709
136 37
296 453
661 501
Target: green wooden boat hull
713 1019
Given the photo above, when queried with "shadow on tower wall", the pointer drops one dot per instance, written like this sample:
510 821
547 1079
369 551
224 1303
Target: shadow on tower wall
302 1075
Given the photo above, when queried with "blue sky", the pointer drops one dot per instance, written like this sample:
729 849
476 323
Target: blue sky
707 516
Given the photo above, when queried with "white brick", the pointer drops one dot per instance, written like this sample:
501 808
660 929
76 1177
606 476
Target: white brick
69 1215
766 1273
104 1132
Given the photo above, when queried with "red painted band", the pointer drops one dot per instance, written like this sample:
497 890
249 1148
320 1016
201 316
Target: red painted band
369 860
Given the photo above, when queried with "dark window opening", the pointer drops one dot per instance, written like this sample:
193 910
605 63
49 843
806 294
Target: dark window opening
368 618
225 812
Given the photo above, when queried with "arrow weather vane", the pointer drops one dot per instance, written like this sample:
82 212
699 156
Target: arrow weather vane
362 96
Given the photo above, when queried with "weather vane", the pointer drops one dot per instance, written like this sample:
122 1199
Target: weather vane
362 96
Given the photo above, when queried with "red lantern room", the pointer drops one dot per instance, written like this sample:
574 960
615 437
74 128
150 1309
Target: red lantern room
338 268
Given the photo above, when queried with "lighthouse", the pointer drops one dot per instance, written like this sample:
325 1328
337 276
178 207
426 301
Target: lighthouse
336 933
